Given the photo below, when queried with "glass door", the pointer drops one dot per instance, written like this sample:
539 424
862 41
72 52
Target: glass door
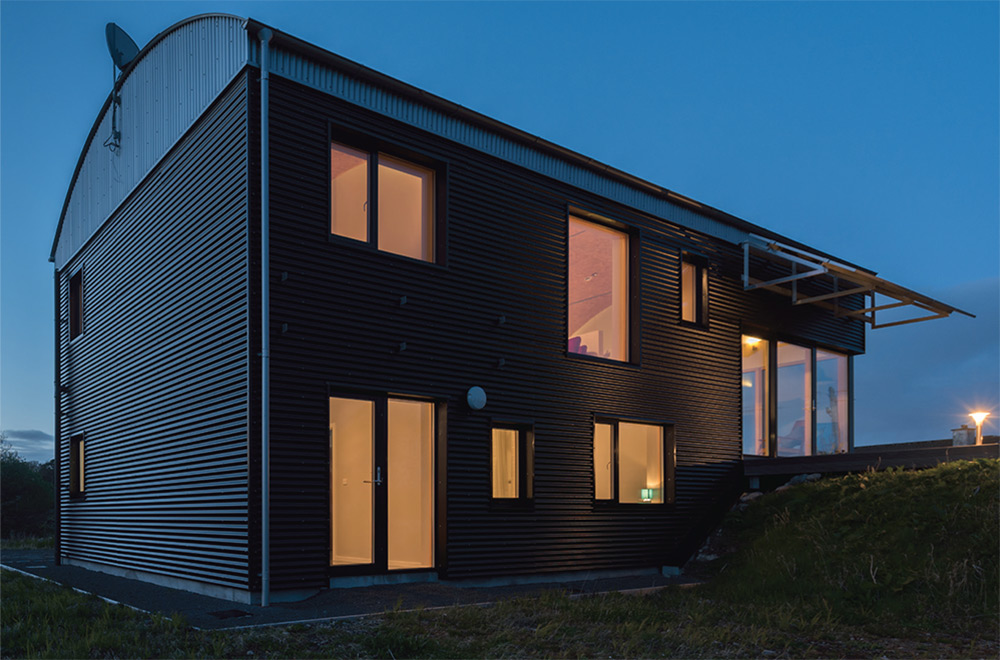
381 485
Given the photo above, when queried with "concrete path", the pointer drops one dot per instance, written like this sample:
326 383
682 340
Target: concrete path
212 613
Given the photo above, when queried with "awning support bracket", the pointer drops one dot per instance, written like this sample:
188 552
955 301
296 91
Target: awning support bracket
856 282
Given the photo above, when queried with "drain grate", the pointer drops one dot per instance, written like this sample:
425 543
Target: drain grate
229 614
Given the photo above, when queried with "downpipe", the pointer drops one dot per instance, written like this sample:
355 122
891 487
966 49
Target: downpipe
265 323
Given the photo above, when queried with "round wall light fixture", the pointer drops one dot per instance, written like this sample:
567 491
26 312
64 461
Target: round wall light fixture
476 398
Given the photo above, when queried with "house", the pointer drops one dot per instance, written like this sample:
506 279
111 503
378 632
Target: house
318 327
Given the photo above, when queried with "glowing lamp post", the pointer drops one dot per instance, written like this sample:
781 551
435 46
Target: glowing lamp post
978 418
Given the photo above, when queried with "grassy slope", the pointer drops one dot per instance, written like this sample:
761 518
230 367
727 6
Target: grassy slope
896 564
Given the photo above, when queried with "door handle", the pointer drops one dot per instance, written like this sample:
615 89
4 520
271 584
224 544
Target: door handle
378 477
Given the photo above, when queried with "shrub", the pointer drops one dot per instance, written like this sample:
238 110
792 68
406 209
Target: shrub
27 498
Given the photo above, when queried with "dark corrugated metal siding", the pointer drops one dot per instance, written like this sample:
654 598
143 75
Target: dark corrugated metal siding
157 382
337 319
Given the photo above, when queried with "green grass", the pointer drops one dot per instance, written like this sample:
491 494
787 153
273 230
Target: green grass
894 564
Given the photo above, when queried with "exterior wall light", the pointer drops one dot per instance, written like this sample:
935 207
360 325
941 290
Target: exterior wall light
476 398
978 418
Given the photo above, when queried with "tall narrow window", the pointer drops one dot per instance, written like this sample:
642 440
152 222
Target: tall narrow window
512 458
832 401
633 463
598 290
794 423
352 469
76 305
382 200
77 480
604 461
755 386
348 192
410 480
694 290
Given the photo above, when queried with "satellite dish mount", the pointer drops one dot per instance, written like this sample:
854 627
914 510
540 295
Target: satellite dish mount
123 51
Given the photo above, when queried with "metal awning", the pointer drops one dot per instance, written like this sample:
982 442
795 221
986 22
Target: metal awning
846 281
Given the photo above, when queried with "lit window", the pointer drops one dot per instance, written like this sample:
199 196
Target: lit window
77 483
512 459
633 463
604 459
832 400
76 305
811 397
694 290
401 217
755 388
795 401
598 290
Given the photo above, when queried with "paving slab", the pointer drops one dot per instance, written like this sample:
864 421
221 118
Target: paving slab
206 612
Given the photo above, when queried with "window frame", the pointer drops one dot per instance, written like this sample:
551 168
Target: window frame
525 464
668 452
633 282
77 311
77 485
700 264
770 407
373 147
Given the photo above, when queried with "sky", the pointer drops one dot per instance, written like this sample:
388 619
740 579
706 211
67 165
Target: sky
870 131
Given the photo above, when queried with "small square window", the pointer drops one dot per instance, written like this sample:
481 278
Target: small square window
76 305
633 462
694 290
77 481
512 463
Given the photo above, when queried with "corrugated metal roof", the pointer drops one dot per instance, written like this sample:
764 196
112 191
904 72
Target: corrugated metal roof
171 83
179 73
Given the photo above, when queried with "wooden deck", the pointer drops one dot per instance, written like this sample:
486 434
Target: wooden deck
877 457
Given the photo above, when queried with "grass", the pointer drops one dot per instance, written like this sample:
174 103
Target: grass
893 564
19 542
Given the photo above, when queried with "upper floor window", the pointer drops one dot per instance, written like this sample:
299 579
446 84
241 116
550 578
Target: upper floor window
694 290
633 462
512 459
598 290
382 200
76 305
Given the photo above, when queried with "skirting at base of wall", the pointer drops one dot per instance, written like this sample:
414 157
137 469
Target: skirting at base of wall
213 590
373 580
566 576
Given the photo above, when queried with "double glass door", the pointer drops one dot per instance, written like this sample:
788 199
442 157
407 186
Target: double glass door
381 484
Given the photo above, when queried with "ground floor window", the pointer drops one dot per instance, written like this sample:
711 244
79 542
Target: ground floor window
796 399
512 459
633 462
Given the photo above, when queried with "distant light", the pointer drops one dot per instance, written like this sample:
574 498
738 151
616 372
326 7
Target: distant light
978 418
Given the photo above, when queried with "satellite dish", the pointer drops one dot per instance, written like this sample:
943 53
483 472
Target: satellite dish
123 50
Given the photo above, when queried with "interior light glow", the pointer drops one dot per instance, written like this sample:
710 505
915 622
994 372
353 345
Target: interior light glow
751 341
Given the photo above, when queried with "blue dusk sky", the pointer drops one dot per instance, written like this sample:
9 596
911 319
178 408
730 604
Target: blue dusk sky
866 130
